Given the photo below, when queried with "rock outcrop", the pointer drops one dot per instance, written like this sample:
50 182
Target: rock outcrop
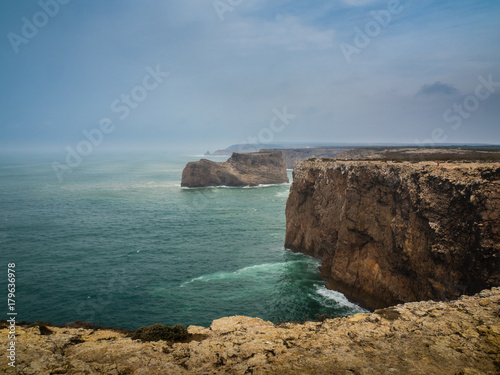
389 233
293 155
250 169
459 337
415 154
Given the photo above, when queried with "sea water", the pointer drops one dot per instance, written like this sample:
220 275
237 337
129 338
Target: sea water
118 242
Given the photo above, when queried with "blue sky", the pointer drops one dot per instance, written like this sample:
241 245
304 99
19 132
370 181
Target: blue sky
414 75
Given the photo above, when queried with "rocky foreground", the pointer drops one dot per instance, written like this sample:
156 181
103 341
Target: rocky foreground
239 170
458 337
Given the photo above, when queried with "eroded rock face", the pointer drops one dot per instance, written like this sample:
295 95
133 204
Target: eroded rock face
459 337
239 170
397 232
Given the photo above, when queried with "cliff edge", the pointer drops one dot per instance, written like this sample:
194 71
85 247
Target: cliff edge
239 170
293 155
459 337
389 232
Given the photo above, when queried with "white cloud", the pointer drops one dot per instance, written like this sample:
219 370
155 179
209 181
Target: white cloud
357 3
286 32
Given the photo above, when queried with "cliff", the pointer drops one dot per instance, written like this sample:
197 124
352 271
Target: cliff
459 337
293 155
454 153
239 170
397 232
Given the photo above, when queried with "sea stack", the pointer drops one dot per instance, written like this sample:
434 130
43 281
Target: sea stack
389 233
250 169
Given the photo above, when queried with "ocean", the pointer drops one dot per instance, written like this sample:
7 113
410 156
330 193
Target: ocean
119 243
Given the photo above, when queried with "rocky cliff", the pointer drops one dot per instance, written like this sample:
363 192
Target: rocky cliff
239 170
414 154
396 232
460 337
293 155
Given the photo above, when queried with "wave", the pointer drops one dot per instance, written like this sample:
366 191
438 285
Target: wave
266 185
238 187
338 298
257 270
155 185
283 194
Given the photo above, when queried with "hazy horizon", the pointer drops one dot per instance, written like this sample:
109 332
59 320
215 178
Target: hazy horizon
162 75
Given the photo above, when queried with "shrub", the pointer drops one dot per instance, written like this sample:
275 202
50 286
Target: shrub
44 330
78 324
158 332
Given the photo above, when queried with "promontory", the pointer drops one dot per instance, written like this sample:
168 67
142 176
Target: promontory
250 169
390 232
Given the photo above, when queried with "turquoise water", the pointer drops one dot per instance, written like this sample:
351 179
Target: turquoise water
118 241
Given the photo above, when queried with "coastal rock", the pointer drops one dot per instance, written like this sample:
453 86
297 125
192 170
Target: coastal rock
389 233
250 169
459 337
415 154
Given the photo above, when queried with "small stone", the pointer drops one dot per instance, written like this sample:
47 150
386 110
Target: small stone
257 360
196 330
357 317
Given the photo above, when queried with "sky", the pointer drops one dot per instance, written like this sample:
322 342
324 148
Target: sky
205 74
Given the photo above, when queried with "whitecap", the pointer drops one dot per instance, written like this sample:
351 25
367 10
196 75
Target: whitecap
283 194
267 185
265 269
237 187
336 297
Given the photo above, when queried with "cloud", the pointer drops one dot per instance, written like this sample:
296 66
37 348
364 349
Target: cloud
287 32
226 77
357 3
437 88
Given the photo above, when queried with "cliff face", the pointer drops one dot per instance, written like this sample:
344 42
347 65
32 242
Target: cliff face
396 232
460 337
239 170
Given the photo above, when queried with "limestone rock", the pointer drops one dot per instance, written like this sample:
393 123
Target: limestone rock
389 232
293 155
239 170
459 337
